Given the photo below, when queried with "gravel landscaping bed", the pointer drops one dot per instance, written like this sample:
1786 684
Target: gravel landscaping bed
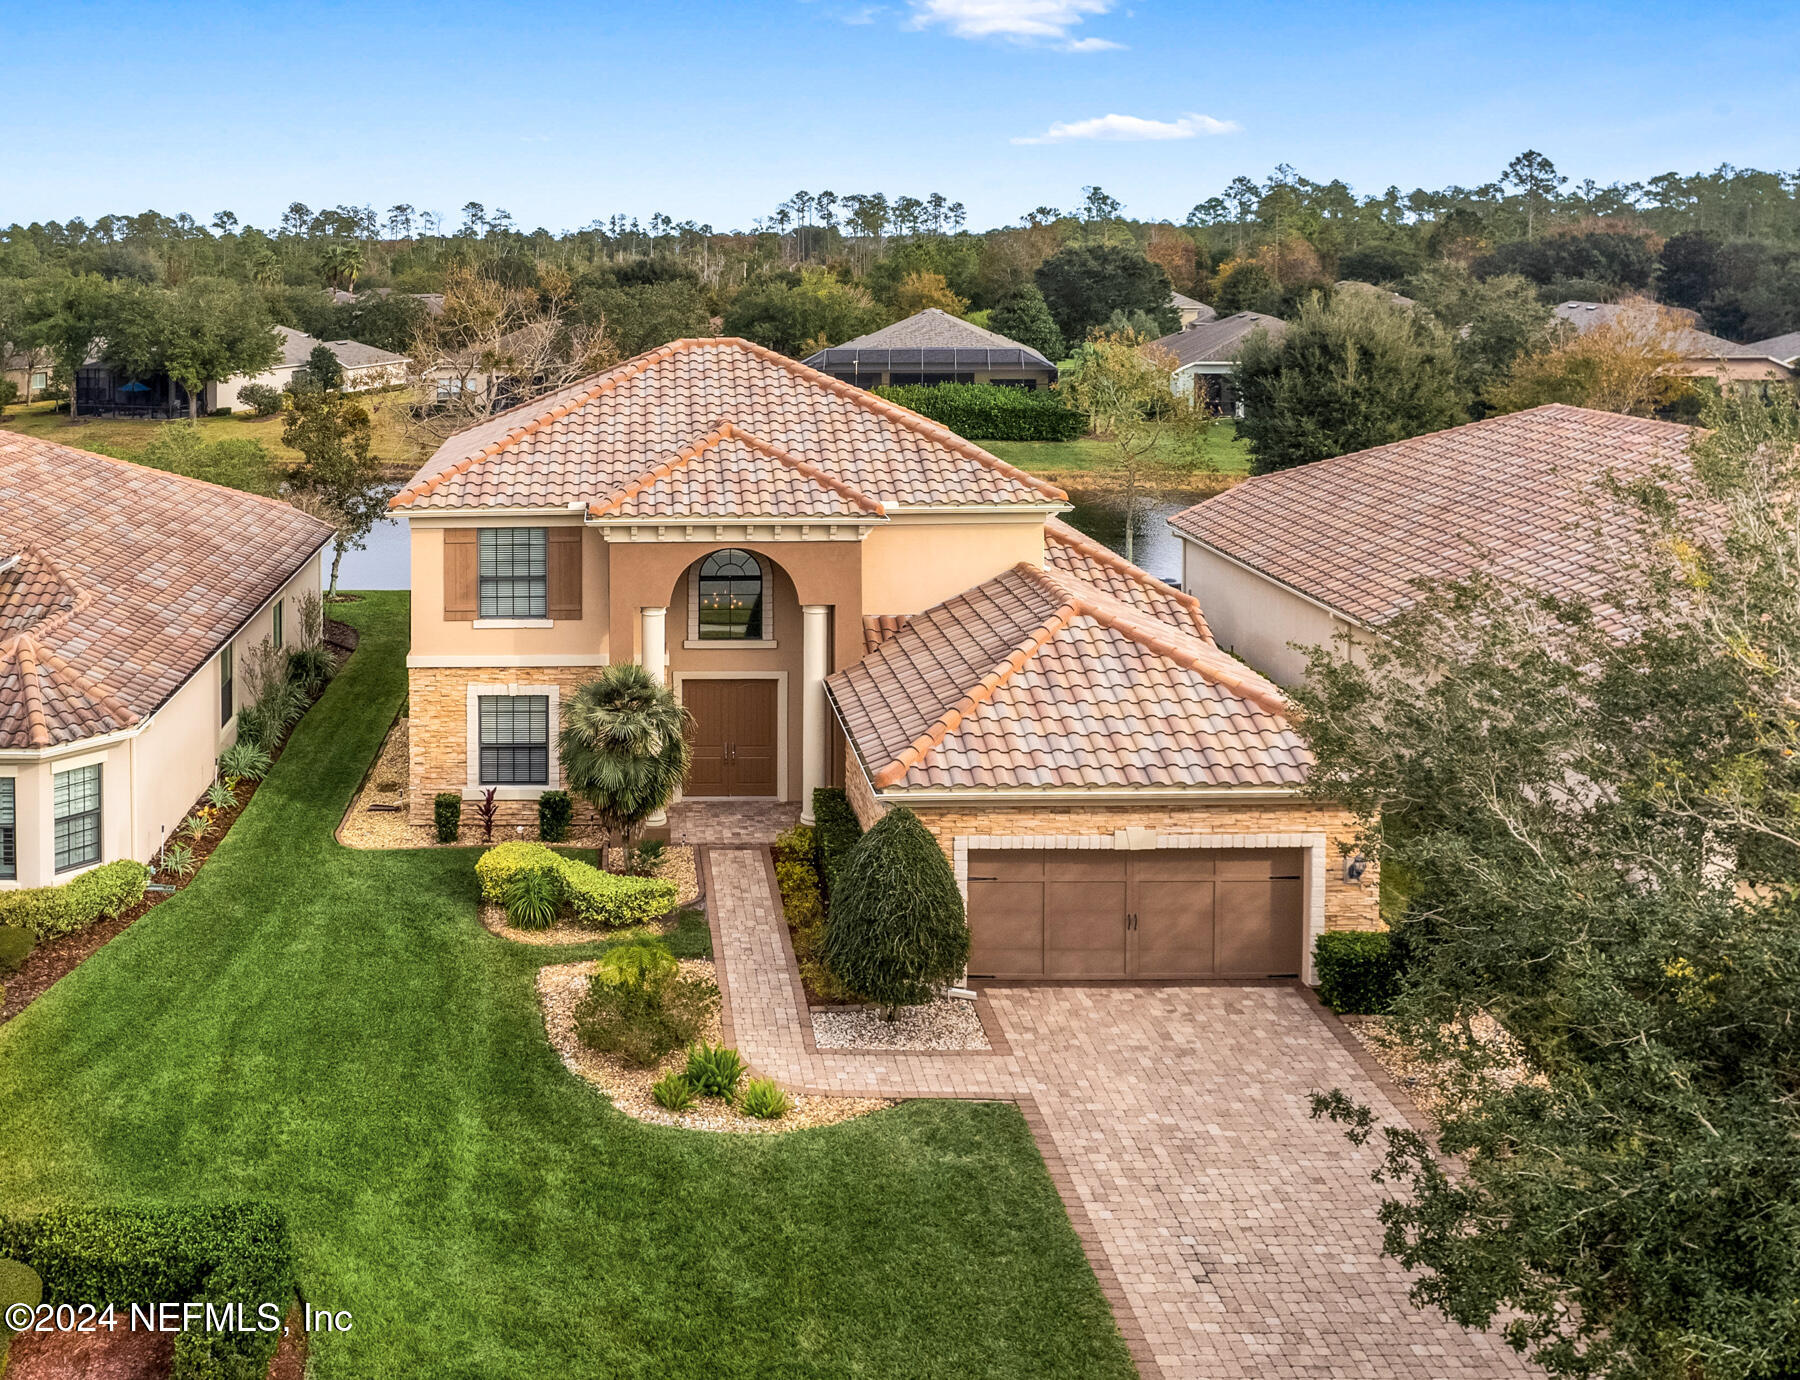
945 1024
1423 1082
561 988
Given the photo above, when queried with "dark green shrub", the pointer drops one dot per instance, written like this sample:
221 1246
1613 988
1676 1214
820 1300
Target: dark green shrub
715 1070
896 930
261 399
1358 971
673 1092
763 1099
803 903
229 1253
244 760
990 412
103 893
835 835
19 1284
555 811
639 1007
309 668
532 899
16 944
446 814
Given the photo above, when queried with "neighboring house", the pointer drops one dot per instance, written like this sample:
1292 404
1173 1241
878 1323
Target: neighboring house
1783 349
364 366
1355 285
1702 355
1331 550
1192 313
933 346
125 593
102 391
841 592
1206 354
27 370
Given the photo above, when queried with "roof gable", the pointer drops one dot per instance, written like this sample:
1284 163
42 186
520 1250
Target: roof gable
588 440
732 474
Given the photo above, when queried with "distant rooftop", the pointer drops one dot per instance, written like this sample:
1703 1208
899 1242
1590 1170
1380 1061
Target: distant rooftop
931 339
1217 342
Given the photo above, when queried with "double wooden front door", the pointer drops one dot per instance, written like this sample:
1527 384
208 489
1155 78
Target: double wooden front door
1165 913
734 737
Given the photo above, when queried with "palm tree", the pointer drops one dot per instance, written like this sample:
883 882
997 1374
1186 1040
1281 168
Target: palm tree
623 748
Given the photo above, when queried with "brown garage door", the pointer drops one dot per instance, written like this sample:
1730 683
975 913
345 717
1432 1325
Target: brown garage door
1164 913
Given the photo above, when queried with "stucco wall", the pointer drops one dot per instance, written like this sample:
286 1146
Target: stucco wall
909 567
1255 619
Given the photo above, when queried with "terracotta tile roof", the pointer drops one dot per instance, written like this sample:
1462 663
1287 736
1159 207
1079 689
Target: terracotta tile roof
126 581
1036 679
593 438
1514 495
732 474
1076 554
879 627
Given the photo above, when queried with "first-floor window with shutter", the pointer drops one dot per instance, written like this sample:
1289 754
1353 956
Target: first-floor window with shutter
515 740
77 817
9 851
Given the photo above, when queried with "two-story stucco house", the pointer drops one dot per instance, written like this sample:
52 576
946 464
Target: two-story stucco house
125 594
843 593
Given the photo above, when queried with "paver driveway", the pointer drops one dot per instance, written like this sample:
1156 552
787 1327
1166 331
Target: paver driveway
1236 1235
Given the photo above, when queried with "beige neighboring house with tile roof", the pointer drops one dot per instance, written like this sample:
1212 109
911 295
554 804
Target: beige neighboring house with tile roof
1206 353
365 367
124 592
1702 355
844 593
1335 549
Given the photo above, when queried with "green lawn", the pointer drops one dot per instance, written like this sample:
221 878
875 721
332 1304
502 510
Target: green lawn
335 1030
1222 451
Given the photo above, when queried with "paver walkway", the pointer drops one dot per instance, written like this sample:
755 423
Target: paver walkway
1236 1236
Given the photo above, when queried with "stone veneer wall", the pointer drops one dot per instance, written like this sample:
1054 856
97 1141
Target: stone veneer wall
438 729
1348 906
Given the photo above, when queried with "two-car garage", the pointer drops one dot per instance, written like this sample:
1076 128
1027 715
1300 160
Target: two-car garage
1079 914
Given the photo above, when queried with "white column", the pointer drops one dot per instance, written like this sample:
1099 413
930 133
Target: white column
815 665
652 625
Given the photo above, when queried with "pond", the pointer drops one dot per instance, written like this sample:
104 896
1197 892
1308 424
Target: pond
387 562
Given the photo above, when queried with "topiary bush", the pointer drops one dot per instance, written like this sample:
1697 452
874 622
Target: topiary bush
715 1070
1358 971
990 412
103 893
896 929
836 833
446 815
16 944
763 1099
228 1253
555 811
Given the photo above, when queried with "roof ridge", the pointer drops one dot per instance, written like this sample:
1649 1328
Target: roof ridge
947 723
731 431
37 724
100 695
1206 658
607 380
893 411
1058 530
681 459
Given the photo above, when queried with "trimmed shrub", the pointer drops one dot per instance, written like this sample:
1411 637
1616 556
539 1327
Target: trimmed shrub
835 835
803 902
19 1283
446 814
639 1007
990 412
598 899
230 1253
532 898
102 894
262 400
715 1070
673 1092
1358 970
16 944
555 811
763 1099
896 930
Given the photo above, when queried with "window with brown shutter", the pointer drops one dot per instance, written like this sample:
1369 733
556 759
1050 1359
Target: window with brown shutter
565 572
461 582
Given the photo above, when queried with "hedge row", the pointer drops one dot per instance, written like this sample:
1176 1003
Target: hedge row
835 835
236 1253
101 894
1358 971
989 412
599 899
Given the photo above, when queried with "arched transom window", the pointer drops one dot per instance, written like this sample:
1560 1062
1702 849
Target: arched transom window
731 602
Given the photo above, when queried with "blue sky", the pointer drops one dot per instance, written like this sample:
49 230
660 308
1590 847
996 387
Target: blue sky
564 112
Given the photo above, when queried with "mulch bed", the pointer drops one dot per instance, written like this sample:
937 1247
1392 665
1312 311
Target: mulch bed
117 1355
54 959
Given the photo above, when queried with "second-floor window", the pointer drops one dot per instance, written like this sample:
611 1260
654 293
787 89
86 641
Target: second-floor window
515 740
514 572
731 597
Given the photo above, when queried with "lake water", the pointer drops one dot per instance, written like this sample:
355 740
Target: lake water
387 563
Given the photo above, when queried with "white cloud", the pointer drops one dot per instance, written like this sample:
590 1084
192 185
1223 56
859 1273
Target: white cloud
1020 21
1130 129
